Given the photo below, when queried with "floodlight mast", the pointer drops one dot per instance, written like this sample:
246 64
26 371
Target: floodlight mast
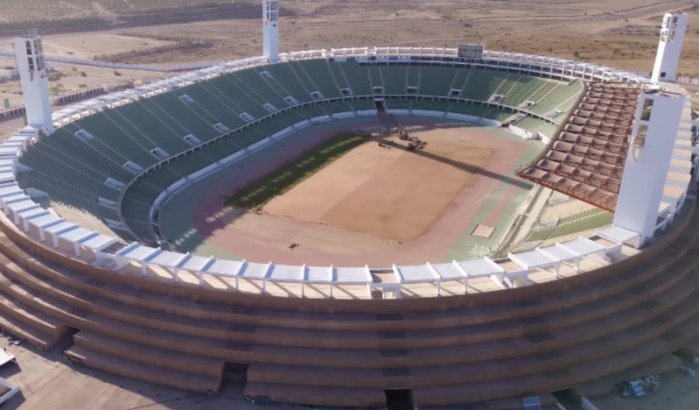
270 30
33 77
670 47
657 119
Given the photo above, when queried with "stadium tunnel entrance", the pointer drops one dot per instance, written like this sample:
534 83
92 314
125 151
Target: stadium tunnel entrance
380 104
235 374
399 399
65 340
569 398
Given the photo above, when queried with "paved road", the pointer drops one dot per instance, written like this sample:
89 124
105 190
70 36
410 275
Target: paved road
643 11
120 66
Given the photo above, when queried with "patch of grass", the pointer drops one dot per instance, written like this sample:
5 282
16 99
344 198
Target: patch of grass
258 193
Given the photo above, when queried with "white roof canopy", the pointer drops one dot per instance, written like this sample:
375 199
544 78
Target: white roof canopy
256 270
480 267
415 273
559 252
198 263
533 259
169 259
618 234
11 189
288 273
319 273
46 220
448 271
100 242
59 228
225 267
138 252
583 246
352 275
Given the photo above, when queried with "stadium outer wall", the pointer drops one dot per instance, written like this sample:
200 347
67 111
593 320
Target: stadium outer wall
532 340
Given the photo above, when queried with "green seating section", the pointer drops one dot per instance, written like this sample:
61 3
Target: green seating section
357 77
73 163
561 97
435 80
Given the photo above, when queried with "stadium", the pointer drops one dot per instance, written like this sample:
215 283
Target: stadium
383 277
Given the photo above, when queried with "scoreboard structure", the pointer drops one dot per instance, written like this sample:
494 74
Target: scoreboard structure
471 51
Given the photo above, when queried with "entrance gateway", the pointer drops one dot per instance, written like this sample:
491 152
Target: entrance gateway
400 399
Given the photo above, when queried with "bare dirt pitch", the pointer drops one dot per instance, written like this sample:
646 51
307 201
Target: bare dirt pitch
375 205
387 191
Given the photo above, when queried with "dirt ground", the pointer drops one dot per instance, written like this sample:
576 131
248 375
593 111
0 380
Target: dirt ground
375 205
73 77
49 381
387 192
619 34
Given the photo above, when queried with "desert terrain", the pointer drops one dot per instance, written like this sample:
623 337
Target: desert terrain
166 33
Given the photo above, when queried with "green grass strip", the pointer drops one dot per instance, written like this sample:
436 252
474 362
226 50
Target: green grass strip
258 193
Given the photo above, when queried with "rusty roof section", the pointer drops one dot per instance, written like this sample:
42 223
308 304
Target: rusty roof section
585 159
